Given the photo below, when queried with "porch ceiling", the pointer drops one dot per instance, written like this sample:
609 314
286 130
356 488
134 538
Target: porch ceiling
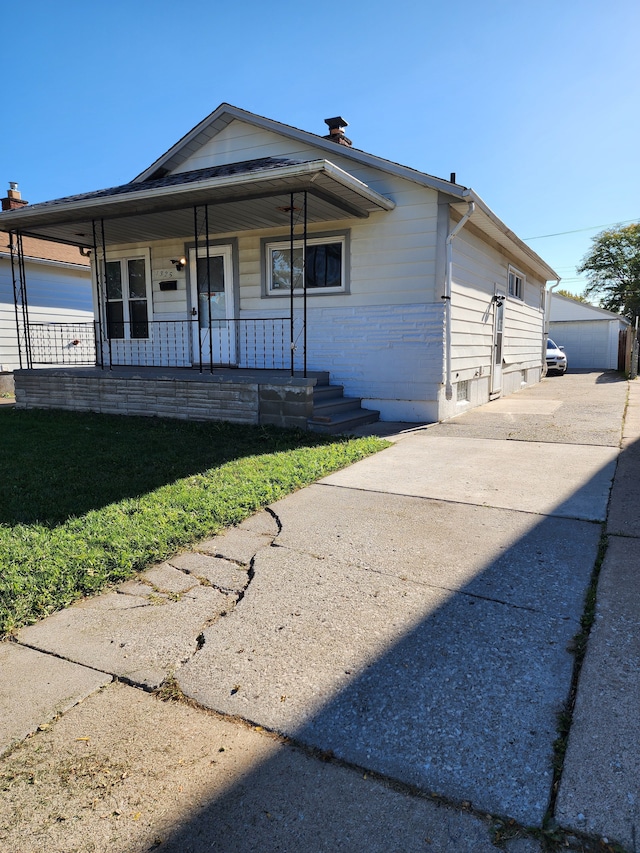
238 201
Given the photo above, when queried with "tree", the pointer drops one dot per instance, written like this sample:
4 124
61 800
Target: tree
577 296
612 266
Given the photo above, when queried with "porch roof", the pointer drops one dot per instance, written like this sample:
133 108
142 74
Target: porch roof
242 196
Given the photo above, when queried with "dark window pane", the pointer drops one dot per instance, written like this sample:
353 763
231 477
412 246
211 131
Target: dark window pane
324 265
115 319
138 318
214 283
114 280
137 279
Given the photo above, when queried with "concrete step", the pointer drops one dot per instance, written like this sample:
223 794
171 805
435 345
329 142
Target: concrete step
333 413
326 392
325 408
344 422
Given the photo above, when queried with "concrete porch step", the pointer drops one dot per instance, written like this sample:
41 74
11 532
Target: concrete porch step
345 423
333 413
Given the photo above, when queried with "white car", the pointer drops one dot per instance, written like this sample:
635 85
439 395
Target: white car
556 358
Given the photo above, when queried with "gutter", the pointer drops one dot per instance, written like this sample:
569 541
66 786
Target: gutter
132 201
67 265
547 309
447 298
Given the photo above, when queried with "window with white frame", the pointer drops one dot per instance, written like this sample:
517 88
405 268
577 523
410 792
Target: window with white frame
323 272
516 283
127 298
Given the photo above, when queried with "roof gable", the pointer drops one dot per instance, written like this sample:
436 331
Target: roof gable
563 308
356 180
189 150
241 141
214 124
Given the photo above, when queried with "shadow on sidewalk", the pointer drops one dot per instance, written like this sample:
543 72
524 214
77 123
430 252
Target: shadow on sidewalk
463 706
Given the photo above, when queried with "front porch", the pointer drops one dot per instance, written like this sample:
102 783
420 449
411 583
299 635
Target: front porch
201 295
247 396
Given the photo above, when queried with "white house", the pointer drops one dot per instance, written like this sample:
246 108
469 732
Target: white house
59 293
408 291
590 336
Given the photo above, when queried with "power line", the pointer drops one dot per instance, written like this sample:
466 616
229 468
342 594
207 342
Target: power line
580 230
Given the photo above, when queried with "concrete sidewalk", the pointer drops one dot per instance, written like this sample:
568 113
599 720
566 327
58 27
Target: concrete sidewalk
375 663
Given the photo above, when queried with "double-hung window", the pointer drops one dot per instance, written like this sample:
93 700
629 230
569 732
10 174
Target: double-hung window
127 298
323 270
516 283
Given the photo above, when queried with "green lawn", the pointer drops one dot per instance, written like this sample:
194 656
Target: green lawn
87 500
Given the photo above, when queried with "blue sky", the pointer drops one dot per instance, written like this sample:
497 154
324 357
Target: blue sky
534 103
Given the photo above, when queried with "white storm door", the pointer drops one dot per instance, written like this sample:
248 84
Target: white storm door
213 327
498 333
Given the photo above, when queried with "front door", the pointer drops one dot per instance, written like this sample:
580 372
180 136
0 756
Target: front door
211 275
498 331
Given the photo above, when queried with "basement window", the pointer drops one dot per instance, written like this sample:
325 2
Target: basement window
516 283
323 269
462 391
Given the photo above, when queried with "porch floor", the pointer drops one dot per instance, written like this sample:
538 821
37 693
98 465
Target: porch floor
192 374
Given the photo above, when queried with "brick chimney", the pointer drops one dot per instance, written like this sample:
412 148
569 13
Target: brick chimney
336 131
14 198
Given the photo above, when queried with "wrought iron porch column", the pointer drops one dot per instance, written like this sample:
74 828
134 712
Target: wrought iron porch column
292 341
292 281
208 279
101 291
20 301
196 309
304 285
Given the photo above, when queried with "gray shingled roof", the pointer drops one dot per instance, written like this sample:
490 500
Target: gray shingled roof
246 167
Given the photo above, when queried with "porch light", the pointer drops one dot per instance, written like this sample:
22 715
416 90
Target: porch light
179 263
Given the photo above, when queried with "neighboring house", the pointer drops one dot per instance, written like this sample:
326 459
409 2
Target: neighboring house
59 280
593 338
408 290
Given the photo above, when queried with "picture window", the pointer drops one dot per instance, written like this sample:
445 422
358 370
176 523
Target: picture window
324 270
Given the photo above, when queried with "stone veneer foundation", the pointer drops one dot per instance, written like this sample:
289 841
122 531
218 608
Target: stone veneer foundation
248 397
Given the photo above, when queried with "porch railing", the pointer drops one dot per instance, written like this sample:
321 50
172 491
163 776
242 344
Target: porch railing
62 343
258 343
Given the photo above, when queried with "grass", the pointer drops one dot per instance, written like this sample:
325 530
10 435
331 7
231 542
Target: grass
88 500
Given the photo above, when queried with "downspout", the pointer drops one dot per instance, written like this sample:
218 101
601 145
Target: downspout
447 299
547 318
547 309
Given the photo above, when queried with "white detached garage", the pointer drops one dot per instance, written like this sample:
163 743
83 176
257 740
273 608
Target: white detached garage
590 335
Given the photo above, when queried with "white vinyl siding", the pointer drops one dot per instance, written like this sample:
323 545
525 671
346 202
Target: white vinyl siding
392 253
479 270
57 293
